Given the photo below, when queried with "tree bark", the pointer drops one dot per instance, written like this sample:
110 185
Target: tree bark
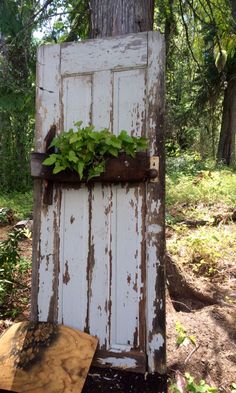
226 147
117 17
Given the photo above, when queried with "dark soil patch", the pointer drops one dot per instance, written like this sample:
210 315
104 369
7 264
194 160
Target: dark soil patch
107 380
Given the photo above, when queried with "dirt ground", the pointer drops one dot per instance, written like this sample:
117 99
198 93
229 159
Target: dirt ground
212 322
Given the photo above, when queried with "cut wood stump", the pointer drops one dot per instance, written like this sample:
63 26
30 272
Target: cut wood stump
44 357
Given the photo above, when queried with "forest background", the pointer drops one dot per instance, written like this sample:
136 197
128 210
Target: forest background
200 128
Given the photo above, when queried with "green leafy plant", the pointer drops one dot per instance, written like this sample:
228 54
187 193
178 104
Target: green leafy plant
3 281
20 203
11 267
233 387
3 217
183 338
186 383
9 254
86 151
202 387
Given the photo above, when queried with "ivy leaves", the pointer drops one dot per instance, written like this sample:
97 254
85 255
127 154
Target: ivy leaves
86 151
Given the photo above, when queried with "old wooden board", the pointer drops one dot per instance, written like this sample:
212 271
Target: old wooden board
44 357
98 248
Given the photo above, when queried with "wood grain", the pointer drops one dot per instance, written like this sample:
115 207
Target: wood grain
44 357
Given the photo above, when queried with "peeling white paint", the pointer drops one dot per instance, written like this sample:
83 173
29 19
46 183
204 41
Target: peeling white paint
120 348
102 54
154 228
158 341
123 362
155 206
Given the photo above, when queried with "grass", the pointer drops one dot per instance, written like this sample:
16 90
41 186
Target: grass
20 203
191 182
200 191
204 249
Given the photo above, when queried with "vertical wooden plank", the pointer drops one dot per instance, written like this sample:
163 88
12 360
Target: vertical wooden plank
129 114
156 345
99 280
101 202
77 100
46 218
73 258
102 100
47 92
75 216
126 267
129 101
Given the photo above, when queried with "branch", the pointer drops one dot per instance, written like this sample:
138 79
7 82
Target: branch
44 6
214 24
187 36
195 12
191 353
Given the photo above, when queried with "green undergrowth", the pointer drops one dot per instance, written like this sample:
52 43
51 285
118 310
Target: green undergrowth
190 181
204 249
201 193
20 203
12 267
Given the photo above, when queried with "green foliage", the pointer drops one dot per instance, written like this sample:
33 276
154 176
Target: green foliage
233 388
11 265
198 191
187 383
17 74
21 203
203 248
183 338
85 151
202 387
4 216
196 34
9 253
221 59
193 181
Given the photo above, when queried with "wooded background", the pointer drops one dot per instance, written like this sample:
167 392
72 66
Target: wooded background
200 69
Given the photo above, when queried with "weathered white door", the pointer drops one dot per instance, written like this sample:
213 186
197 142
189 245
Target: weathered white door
98 250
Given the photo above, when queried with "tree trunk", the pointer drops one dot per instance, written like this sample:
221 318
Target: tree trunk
117 17
226 148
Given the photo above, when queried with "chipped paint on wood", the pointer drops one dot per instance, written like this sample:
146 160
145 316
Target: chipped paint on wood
123 362
129 101
74 251
126 254
155 207
100 280
79 105
105 54
45 257
98 261
47 93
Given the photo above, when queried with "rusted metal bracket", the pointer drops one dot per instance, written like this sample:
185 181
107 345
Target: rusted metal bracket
118 169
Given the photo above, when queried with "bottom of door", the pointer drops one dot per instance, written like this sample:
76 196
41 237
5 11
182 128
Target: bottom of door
129 361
